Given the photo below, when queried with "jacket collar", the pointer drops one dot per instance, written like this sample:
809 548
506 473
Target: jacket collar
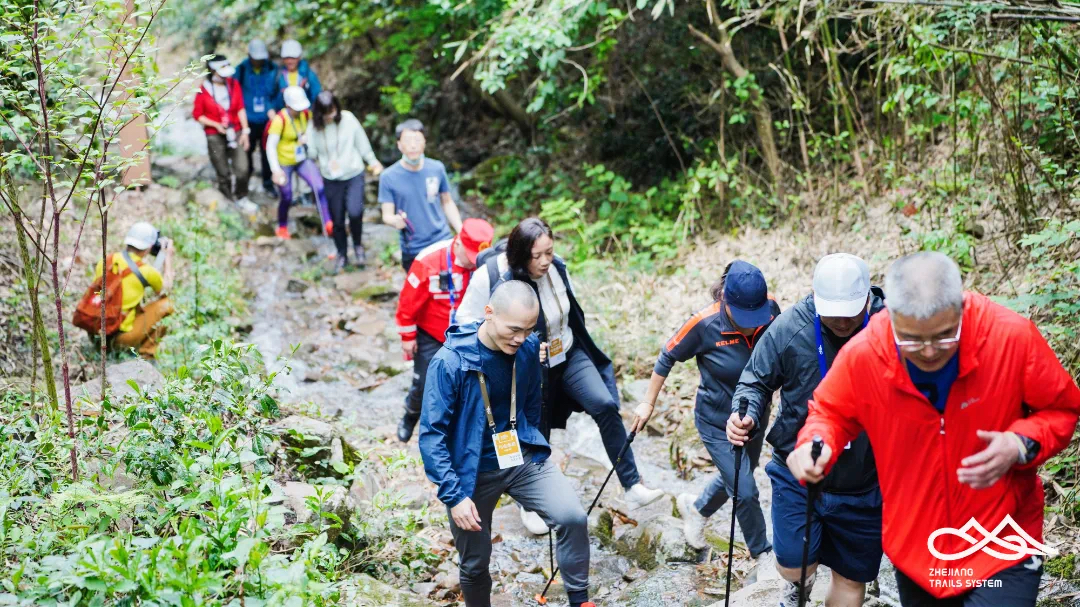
464 341
976 332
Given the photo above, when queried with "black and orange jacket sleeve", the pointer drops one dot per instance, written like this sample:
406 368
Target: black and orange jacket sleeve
687 341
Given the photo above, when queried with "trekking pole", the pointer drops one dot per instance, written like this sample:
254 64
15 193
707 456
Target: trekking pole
540 598
811 495
744 404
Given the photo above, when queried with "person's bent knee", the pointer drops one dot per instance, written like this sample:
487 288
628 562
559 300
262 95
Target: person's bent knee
574 520
795 574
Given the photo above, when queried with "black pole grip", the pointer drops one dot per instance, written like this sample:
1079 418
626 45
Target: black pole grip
744 406
815 450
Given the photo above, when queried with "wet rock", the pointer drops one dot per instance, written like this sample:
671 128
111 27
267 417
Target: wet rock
211 199
302 248
666 586
366 591
351 282
296 285
311 440
656 541
87 396
376 293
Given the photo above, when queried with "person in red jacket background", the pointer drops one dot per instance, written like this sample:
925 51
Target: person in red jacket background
219 107
436 282
962 400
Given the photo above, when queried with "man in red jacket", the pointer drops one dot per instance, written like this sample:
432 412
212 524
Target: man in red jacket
433 289
963 400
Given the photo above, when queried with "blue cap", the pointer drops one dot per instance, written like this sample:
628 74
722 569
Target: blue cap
747 295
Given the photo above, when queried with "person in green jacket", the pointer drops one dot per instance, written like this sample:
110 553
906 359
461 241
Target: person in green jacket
337 141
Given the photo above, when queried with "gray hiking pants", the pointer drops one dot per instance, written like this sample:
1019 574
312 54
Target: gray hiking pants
541 488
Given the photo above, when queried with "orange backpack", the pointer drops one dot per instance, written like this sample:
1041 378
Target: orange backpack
88 312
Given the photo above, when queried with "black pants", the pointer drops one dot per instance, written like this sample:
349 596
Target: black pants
257 129
229 163
406 261
1017 586
580 380
426 348
346 199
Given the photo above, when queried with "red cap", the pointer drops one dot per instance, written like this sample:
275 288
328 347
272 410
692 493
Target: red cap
476 235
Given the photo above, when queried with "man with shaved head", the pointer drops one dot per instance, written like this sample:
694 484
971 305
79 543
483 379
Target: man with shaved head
480 438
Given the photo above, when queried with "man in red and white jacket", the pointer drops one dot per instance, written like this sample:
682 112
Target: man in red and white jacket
433 289
962 400
219 108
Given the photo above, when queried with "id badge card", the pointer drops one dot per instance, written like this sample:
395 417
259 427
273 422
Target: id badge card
300 154
556 355
335 167
508 449
258 105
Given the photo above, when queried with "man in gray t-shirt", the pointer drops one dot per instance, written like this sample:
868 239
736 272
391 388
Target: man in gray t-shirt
415 196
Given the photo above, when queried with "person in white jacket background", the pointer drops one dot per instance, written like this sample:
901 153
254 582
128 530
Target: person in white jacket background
338 142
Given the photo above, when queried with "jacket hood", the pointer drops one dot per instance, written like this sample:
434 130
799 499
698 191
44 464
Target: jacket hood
979 315
463 341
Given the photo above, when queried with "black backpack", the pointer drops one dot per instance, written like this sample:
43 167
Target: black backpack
489 258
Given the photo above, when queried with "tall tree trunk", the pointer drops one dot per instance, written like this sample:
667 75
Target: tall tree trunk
63 344
762 115
37 321
104 268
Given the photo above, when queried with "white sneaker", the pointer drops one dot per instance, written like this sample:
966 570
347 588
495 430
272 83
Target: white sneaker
246 205
532 521
639 495
791 592
765 567
693 521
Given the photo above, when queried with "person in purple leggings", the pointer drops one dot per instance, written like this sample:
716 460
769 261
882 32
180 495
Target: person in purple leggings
286 150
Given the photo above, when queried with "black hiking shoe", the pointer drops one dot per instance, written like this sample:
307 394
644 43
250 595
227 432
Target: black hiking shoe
360 255
405 427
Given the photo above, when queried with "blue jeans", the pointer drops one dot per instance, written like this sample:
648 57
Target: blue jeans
582 382
751 519
845 530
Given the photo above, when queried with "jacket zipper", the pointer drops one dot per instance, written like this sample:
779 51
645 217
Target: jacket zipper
945 470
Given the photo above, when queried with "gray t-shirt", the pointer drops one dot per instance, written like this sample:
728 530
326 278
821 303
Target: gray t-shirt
418 194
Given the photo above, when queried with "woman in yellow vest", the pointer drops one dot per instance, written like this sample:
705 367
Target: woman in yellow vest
286 151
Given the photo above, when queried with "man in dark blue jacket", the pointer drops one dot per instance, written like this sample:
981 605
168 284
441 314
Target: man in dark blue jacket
477 443
258 78
295 72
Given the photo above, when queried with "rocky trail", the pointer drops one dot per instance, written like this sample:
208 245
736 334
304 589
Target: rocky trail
334 340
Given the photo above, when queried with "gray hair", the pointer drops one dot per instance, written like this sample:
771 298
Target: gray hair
923 285
513 292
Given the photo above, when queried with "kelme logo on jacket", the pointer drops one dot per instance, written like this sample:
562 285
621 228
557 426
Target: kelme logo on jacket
1019 544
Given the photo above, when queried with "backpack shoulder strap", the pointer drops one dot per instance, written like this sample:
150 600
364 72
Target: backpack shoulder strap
135 269
492 265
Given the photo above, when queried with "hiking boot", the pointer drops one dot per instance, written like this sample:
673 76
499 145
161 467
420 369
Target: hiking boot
791 592
361 255
341 263
405 427
639 495
693 521
532 521
283 233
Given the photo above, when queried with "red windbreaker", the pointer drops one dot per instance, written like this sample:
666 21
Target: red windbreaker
422 302
1009 380
206 105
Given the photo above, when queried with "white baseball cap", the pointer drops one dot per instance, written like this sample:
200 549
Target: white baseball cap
222 68
296 98
257 50
141 236
291 49
841 285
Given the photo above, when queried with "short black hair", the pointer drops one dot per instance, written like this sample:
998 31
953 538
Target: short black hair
412 124
214 58
520 243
